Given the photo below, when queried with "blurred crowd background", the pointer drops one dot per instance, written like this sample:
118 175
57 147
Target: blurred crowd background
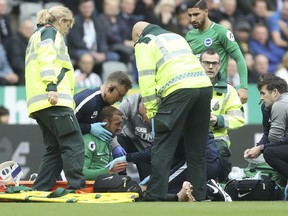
100 41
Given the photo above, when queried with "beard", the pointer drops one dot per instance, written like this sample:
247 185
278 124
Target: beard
200 24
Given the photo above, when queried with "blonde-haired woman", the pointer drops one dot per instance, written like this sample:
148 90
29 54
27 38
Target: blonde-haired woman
49 93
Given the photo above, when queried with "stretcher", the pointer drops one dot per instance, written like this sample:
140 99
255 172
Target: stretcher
59 194
62 184
41 196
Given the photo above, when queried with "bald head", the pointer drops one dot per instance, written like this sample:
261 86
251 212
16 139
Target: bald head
137 29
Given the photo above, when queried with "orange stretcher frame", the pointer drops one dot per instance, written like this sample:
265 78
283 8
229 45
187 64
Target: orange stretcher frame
63 184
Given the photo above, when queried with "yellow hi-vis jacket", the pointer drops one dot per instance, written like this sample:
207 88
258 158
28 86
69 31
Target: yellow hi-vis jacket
48 68
165 63
228 109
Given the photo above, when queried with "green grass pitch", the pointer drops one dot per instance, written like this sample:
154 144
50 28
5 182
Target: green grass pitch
276 208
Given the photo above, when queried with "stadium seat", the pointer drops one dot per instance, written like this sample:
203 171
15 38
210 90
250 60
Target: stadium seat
112 66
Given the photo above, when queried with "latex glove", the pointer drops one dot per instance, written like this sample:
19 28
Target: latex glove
118 151
99 131
145 181
112 163
153 128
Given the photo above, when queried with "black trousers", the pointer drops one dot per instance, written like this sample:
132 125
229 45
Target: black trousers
277 157
220 167
64 148
144 168
184 112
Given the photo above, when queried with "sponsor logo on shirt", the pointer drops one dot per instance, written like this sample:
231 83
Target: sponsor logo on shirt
141 129
143 134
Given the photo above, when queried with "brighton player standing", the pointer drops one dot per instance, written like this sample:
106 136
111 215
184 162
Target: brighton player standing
207 34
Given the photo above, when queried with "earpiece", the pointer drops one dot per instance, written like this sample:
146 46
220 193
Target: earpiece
111 89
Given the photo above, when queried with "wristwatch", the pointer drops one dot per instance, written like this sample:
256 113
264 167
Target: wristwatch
261 148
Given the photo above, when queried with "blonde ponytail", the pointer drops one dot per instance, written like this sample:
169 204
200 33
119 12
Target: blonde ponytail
54 13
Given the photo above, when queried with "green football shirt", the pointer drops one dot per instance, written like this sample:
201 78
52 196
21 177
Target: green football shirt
223 41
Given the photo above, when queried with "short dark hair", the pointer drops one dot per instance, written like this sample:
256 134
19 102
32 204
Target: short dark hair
108 111
201 4
209 51
271 81
121 78
4 111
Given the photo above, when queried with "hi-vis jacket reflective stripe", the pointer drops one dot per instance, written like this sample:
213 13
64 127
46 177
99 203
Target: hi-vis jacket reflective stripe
165 64
47 62
226 105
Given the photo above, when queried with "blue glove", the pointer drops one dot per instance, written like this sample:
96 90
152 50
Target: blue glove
99 131
145 181
118 151
153 128
112 163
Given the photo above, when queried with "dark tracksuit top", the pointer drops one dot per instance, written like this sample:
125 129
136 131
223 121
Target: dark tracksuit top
89 103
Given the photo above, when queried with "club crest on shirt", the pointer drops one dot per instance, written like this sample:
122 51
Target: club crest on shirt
94 115
208 42
214 104
230 36
92 146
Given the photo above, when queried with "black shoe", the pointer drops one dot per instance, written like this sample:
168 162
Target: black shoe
216 193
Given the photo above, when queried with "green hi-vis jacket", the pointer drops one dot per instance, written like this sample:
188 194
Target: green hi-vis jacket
165 64
48 68
226 105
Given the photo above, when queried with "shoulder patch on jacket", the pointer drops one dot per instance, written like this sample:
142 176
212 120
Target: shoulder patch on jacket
48 33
